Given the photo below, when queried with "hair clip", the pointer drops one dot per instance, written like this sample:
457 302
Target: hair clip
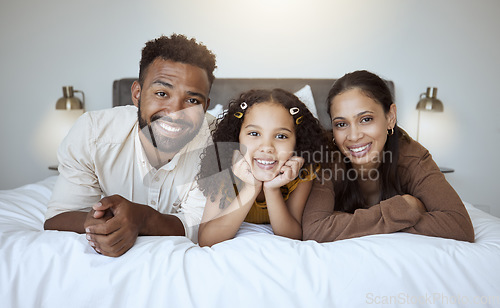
294 110
239 114
299 120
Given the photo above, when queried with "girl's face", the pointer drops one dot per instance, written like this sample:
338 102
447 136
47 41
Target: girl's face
360 127
267 139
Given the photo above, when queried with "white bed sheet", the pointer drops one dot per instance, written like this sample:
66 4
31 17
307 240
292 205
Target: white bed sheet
59 269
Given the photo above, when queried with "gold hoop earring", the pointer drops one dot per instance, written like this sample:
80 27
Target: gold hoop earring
390 132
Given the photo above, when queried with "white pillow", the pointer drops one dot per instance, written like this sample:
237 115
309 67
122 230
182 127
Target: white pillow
217 111
306 96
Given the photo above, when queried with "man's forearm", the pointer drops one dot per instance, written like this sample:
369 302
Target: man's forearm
68 221
156 223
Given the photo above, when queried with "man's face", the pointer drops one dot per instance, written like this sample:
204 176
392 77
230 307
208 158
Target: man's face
172 103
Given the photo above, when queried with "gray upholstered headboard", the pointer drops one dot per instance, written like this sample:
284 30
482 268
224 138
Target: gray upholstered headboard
225 89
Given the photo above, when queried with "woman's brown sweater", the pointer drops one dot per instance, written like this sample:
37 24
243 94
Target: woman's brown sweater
420 177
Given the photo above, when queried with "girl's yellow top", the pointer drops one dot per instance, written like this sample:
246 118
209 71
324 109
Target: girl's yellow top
258 213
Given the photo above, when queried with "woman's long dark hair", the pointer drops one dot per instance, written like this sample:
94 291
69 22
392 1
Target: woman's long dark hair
348 195
310 138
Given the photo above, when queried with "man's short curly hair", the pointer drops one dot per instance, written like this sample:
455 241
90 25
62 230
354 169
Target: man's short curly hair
177 48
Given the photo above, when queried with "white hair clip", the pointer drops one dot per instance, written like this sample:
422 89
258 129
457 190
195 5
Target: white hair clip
239 114
294 110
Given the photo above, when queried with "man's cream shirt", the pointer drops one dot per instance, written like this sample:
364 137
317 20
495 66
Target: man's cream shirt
102 156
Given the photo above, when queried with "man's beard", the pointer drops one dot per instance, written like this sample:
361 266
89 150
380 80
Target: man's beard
161 142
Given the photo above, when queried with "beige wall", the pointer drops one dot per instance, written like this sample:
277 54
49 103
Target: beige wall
449 44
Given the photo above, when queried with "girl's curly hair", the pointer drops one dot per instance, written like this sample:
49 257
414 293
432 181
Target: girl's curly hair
310 138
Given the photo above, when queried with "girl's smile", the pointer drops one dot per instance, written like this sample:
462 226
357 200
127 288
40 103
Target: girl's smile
265 164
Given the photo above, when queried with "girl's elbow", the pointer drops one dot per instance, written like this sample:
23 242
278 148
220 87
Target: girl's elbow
206 241
202 237
202 242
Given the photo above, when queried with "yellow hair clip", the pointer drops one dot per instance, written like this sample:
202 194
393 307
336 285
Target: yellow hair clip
299 120
238 114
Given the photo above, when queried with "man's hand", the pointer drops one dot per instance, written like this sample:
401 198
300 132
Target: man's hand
95 219
113 225
288 172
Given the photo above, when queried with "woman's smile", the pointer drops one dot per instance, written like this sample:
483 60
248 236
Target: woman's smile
359 150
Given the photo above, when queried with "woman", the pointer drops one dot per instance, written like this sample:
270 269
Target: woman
383 181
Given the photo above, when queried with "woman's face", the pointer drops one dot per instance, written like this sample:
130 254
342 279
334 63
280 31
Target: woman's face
360 127
267 139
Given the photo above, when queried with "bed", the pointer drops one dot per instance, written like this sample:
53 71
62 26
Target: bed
59 269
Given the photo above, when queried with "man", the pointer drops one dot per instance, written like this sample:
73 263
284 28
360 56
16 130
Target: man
130 171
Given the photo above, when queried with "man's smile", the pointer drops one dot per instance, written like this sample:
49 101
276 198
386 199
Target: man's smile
169 127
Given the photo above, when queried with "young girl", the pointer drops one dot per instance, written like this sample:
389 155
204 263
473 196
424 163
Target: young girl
260 167
384 181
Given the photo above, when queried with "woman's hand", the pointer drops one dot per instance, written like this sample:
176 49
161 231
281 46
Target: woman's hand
288 172
415 203
243 171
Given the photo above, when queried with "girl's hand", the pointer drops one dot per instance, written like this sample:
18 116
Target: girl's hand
242 170
415 203
288 172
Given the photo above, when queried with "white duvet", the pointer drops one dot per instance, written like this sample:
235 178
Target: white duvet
59 269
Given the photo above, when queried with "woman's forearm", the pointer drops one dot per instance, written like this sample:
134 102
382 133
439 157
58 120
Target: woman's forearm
323 224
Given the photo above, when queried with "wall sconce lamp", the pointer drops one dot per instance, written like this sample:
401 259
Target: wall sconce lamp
428 102
58 123
69 101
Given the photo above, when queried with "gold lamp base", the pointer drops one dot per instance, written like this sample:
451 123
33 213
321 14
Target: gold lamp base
69 101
